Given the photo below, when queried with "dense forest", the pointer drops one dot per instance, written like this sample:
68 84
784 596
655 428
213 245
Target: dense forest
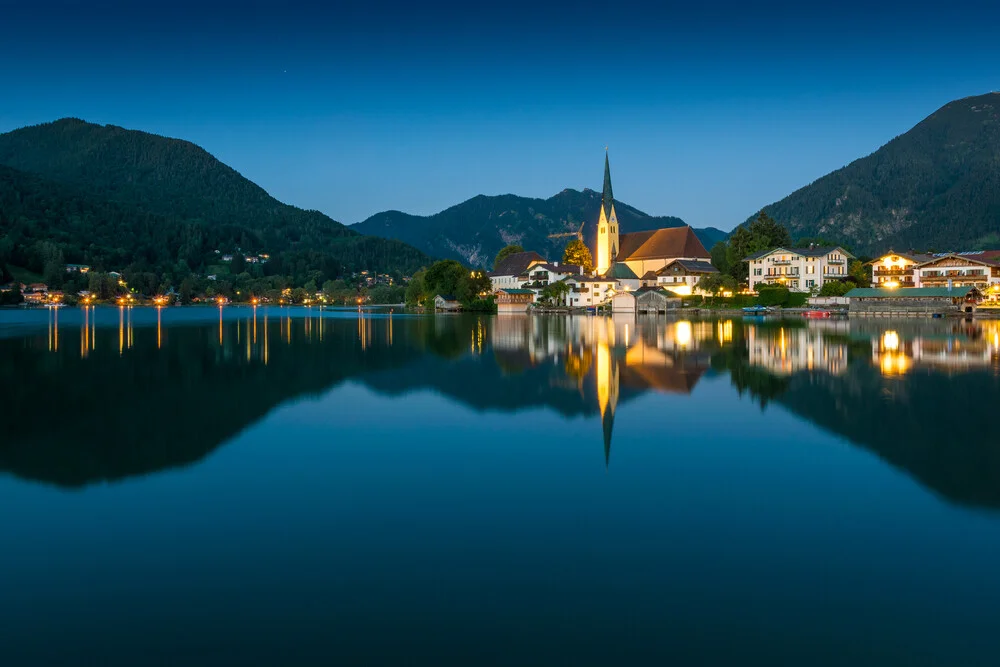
475 230
936 187
121 200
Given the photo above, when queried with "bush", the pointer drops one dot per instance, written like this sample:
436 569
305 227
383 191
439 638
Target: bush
797 299
835 288
773 296
487 305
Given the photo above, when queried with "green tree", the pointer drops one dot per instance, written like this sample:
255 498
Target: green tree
444 277
714 283
556 292
720 257
835 288
860 272
239 263
578 253
415 292
472 285
506 252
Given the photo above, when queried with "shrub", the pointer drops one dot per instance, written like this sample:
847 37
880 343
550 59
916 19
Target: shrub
773 296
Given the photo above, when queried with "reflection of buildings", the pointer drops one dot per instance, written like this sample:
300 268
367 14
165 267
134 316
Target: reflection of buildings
607 359
789 350
973 347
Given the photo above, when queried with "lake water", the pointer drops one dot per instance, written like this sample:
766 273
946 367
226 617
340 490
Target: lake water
295 487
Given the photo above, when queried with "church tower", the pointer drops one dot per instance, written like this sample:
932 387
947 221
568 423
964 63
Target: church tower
607 226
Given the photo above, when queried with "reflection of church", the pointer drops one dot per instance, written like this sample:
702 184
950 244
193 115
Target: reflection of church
633 357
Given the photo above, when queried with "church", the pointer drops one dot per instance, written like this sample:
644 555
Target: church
638 254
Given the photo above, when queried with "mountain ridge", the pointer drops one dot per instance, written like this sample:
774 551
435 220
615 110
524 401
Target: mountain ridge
472 231
935 186
162 203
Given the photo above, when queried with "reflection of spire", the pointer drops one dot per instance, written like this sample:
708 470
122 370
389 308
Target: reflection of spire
608 423
607 391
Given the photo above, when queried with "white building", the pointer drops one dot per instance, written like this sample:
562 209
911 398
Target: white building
965 269
512 272
798 269
587 291
681 276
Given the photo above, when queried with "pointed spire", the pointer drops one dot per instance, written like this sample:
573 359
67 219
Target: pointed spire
607 197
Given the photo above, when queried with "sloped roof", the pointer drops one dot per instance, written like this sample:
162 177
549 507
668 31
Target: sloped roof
620 271
571 269
989 257
446 297
691 265
917 257
516 290
659 290
814 251
661 243
516 264
607 197
909 292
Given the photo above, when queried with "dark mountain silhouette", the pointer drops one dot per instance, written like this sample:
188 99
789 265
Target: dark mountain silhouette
935 187
475 230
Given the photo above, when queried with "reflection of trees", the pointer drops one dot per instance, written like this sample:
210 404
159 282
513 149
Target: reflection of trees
113 415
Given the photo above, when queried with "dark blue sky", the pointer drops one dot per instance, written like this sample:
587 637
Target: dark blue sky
711 110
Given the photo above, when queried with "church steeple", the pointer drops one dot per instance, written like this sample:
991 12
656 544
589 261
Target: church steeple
607 197
607 226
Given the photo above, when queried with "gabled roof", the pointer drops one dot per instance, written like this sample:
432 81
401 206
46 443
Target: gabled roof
813 251
649 275
446 297
909 292
919 258
516 264
620 271
988 257
571 269
690 265
669 242
659 290
516 290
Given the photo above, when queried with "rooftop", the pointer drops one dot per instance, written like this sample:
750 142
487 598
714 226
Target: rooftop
516 264
659 243
812 251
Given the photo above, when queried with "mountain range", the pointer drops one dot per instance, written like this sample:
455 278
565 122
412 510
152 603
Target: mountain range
111 197
475 230
935 187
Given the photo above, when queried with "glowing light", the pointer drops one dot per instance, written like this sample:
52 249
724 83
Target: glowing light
894 364
892 284
890 341
682 333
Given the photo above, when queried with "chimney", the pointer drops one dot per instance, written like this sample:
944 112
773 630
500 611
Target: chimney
555 263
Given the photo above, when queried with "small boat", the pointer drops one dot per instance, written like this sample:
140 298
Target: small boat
817 314
756 310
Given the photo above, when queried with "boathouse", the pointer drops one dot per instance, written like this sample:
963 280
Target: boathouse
655 300
514 300
446 302
909 301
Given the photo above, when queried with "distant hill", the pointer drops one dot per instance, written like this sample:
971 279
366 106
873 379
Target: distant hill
475 230
107 196
935 187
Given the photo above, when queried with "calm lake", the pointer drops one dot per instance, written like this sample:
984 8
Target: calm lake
294 487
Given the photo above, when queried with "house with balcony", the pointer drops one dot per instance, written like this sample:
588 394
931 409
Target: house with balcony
589 291
514 270
681 276
896 269
798 269
543 274
979 269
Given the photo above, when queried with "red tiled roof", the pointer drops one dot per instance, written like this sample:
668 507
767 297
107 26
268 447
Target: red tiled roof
661 243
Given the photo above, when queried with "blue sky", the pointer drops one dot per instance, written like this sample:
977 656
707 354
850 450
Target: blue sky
710 112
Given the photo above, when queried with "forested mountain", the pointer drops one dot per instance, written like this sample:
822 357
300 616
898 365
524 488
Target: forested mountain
110 197
934 187
475 230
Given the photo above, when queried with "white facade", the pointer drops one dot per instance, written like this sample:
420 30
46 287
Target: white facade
586 291
798 269
959 270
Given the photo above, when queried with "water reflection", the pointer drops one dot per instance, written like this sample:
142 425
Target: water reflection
899 389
